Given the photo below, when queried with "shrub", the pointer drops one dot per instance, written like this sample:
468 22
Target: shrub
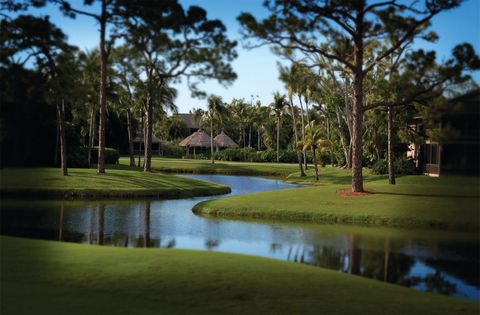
380 167
401 166
268 155
405 166
174 151
77 157
288 156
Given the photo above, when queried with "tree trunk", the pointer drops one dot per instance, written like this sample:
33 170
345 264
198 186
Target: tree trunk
143 132
343 138
315 164
103 85
294 120
147 160
278 139
258 140
391 157
250 136
91 136
357 123
57 141
303 133
212 153
63 145
130 139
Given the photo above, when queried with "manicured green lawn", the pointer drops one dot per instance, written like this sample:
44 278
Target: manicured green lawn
220 167
416 201
42 277
117 182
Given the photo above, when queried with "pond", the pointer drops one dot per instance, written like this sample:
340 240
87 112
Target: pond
431 260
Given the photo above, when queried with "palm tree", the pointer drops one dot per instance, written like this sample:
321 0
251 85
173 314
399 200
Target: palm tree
278 105
313 141
288 77
216 111
163 99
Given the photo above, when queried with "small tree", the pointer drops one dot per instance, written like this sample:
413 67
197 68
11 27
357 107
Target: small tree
278 106
313 140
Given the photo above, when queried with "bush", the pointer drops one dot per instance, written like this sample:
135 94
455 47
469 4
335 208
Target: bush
174 151
380 167
401 166
78 156
268 155
288 156
405 166
236 154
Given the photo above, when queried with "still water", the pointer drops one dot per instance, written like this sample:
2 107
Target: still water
437 261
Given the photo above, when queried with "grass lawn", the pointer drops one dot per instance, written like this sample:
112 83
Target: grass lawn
45 277
220 167
117 182
416 201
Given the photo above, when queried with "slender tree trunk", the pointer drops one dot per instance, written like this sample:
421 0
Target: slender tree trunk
278 139
103 85
57 141
147 163
357 124
63 145
299 153
91 136
303 132
391 157
258 140
306 110
343 138
130 139
315 163
250 136
143 132
212 153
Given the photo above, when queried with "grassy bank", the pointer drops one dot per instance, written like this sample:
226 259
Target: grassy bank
416 201
58 278
86 183
220 167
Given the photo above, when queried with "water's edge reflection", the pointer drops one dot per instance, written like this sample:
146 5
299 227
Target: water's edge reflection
437 262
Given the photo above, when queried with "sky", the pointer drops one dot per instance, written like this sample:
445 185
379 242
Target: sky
257 69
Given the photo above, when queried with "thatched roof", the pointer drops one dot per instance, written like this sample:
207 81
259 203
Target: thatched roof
139 138
225 141
197 139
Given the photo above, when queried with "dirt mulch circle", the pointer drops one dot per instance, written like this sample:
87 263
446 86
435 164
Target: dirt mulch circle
350 193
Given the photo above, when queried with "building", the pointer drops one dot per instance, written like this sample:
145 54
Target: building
461 153
139 146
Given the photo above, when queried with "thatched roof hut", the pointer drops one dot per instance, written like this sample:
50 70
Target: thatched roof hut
224 141
198 139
